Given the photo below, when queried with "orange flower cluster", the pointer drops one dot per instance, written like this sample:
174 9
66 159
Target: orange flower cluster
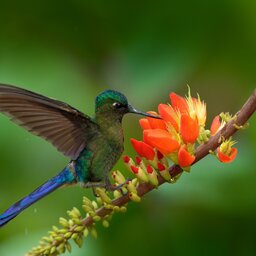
175 135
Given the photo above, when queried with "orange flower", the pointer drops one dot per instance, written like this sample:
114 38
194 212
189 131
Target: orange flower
225 152
189 128
169 115
179 103
185 158
156 123
227 158
143 149
164 141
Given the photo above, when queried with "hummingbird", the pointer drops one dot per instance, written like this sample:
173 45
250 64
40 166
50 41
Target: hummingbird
93 144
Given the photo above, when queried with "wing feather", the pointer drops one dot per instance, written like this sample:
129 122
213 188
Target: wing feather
65 127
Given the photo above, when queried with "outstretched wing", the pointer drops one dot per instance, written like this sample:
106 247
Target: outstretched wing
65 127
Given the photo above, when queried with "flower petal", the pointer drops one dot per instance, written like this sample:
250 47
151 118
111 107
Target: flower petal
169 115
156 123
215 125
179 102
143 149
144 123
189 128
184 157
162 140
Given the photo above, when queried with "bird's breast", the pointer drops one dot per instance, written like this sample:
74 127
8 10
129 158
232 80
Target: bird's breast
100 155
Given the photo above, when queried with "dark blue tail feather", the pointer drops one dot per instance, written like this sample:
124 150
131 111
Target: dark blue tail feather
64 177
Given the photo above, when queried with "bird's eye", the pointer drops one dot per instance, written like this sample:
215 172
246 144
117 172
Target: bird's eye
117 105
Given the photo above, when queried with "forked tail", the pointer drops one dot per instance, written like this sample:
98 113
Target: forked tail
66 176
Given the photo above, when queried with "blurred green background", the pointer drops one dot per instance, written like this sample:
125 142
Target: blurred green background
72 50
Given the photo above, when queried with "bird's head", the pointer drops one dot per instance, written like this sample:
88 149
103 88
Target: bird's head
115 105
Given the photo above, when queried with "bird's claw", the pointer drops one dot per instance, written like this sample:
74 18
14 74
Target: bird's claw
119 187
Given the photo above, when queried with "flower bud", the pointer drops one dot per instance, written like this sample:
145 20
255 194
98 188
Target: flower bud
152 175
139 173
164 172
134 197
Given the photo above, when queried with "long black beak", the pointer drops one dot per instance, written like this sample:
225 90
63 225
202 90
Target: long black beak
135 111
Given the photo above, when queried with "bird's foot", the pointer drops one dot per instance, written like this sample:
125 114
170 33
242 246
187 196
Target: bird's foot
119 187
107 185
94 185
